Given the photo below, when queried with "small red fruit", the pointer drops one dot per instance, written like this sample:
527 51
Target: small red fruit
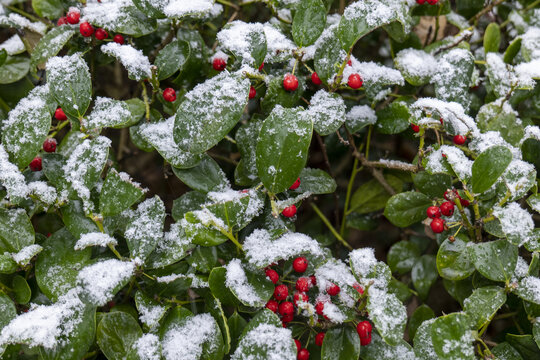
319 338
300 297
286 308
49 145
169 94
60 115
281 292
290 82
447 208
349 62
437 225
73 16
86 29
364 329
119 39
355 81
319 307
295 185
432 2
459 139
464 202
302 284
272 275
219 64
420 2
300 264
358 288
333 290
289 211
313 280
433 212
286 319
272 305
252 92
62 21
415 128
35 164
298 345
365 341
101 34
315 79
262 66
303 354
448 192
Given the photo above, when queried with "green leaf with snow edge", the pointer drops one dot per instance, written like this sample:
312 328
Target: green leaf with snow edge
216 282
328 56
308 22
14 69
416 66
529 289
519 178
316 181
213 306
107 113
16 230
483 304
246 41
76 220
136 63
407 208
516 223
423 345
70 84
453 259
245 173
171 248
505 351
206 176
453 76
378 349
388 314
452 337
27 127
23 257
282 148
119 17
203 228
341 343
496 260
534 202
488 167
251 287
223 97
118 193
50 45
327 111
116 334
150 311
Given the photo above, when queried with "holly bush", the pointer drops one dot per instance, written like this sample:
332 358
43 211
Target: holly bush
272 179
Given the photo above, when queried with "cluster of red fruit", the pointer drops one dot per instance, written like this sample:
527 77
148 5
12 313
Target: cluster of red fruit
458 139
290 211
49 145
86 30
430 2
290 82
446 209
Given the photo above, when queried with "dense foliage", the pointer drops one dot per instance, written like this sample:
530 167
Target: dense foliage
319 179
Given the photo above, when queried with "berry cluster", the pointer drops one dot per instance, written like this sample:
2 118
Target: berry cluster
290 82
85 28
446 208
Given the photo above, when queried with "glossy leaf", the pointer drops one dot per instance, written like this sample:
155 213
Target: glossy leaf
424 274
341 343
488 167
206 176
308 22
453 259
118 193
116 333
483 304
172 58
407 208
496 260
51 44
453 328
372 196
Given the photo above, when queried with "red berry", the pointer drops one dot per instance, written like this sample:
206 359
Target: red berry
295 185
101 34
169 94
298 345
86 29
49 145
364 329
302 284
319 307
272 305
119 39
252 92
73 16
319 338
272 275
415 128
62 21
60 115
459 139
290 82
315 79
262 66
447 194
447 208
432 2
355 81
303 354
420 2
433 212
300 297
219 64
464 202
286 319
333 290
358 288
289 211
281 292
300 264
437 225
365 340
349 62
441 121
35 164
286 308
313 280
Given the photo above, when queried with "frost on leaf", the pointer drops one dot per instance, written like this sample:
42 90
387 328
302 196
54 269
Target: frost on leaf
529 289
13 45
236 279
95 239
388 314
376 78
417 66
380 350
452 113
148 347
519 177
261 250
455 158
182 8
19 22
327 112
173 246
279 47
24 256
336 272
11 178
150 311
135 62
360 116
118 16
100 282
43 192
107 113
247 41
452 80
266 342
367 269
516 223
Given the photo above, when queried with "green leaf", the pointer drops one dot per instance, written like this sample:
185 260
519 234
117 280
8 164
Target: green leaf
213 306
3 56
282 149
327 110
203 259
488 167
492 38
50 44
216 281
424 274
341 343
9 312
442 8
308 22
172 58
116 333
203 234
205 177
525 345
483 304
433 185
21 290
48 8
173 247
328 55
531 152
512 50
423 346
496 260
453 328
388 314
378 349
452 84
505 351
407 208
277 95
236 324
76 221
70 84
316 181
394 118
14 69
491 117
118 193
252 38
7 264
151 310
421 314
189 201
402 256
453 259
372 196
16 230
27 127
245 173
529 289
223 98
125 19
58 264
251 287
107 113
